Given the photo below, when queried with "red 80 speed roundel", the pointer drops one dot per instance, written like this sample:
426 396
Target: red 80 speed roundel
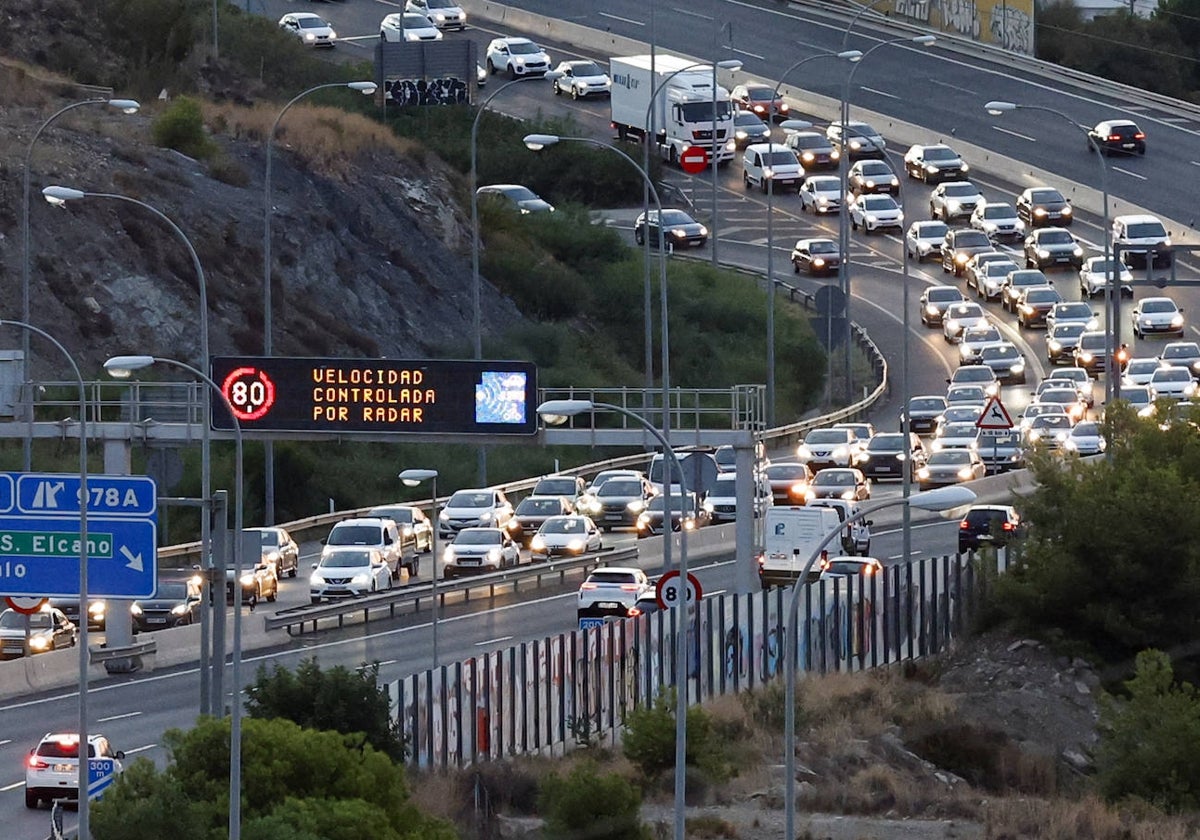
669 592
250 391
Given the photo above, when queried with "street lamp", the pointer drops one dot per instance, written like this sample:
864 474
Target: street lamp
59 196
82 779
943 498
125 106
121 367
366 88
786 125
843 176
537 142
476 313
1111 294
556 412
411 478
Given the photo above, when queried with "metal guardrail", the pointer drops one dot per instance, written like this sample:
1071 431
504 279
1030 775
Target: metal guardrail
124 659
299 617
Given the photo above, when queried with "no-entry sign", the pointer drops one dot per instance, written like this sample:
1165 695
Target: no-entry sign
694 160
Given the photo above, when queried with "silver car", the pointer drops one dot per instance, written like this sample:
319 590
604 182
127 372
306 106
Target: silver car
565 536
954 200
924 239
1096 271
951 466
821 194
1157 315
998 220
348 573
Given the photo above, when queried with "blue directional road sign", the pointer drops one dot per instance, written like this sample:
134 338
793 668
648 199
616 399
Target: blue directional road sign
590 623
40 540
101 773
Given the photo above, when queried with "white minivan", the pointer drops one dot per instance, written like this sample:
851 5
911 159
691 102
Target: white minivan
774 164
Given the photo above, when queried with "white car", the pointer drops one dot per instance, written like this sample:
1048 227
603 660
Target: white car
721 501
445 14
956 436
52 769
954 200
49 629
483 507
479 550
408 26
1078 377
1085 439
821 194
581 79
974 339
1095 273
935 163
959 317
517 57
829 447
521 197
1157 315
311 30
612 590
348 573
1174 382
1139 371
1072 312
1137 235
998 220
773 165
874 211
924 239
565 536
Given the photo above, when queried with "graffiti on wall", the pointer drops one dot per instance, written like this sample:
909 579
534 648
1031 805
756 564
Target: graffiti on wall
408 92
1005 23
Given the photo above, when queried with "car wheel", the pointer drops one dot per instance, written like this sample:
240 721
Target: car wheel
796 266
414 568
557 89
295 570
853 223
314 600
512 72
274 594
745 180
491 68
32 800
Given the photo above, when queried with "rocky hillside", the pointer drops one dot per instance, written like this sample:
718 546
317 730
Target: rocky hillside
371 248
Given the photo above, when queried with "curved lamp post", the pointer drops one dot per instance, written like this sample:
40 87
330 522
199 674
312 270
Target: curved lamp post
121 367
82 780
857 16
411 478
556 412
366 88
1111 294
786 125
843 176
59 196
125 106
944 498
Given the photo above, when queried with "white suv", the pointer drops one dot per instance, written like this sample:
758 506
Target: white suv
772 163
349 572
484 508
612 590
517 57
445 14
1138 234
52 770
378 533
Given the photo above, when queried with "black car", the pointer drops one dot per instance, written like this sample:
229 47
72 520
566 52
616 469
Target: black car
960 245
97 608
749 128
1061 342
1035 304
1118 137
887 455
532 512
813 149
1039 206
685 514
1006 362
860 140
873 176
620 501
1052 246
989 525
1000 450
816 256
681 229
176 603
936 163
934 302
923 413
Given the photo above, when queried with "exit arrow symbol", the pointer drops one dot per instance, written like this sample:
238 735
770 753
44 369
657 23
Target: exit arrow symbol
135 560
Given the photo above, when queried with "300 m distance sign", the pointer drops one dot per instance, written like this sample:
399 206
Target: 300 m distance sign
669 592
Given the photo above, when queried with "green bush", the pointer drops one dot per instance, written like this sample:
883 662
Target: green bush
649 740
587 804
1149 741
181 127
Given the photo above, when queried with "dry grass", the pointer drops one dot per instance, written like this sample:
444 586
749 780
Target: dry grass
325 138
1089 817
867 704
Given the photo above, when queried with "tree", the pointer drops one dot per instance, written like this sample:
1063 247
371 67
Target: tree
1149 742
1112 564
588 805
296 783
339 700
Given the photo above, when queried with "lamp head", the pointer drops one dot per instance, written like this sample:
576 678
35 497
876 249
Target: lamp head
537 142
122 367
125 106
61 195
795 125
731 64
997 107
411 478
850 55
925 40
557 412
943 498
365 88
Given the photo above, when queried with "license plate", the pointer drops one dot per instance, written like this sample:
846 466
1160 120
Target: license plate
612 516
887 469
156 621
64 768
468 562
608 605
1128 145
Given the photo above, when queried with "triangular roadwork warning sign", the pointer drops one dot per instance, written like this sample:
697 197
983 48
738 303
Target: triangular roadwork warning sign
994 416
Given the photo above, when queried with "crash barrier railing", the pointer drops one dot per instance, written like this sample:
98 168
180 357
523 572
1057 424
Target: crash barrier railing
295 620
549 695
124 659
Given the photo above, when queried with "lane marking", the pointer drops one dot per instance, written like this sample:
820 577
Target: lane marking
690 13
1014 133
879 92
497 640
1194 162
5 742
118 717
13 786
623 20
952 87
745 52
1130 174
140 749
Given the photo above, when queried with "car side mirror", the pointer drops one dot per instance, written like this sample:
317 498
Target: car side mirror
868 522
314 565
119 754
322 542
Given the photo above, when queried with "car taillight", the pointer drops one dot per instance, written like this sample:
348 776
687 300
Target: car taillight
1008 526
36 763
588 586
1114 138
629 587
965 525
633 611
1141 135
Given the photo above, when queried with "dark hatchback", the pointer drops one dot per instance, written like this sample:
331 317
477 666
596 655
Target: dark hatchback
886 456
813 149
960 245
680 229
989 525
176 603
1044 206
923 413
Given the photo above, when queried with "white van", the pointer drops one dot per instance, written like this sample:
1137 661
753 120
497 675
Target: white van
856 538
790 536
773 163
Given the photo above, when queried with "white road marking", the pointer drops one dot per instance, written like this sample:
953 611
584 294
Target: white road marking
690 13
493 641
1015 134
744 52
13 786
1130 174
952 87
1194 162
118 717
879 92
5 742
623 20
389 662
140 749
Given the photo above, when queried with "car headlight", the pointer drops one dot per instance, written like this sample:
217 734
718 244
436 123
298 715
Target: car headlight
444 517
1055 345
361 579
961 258
822 200
1177 321
953 205
1070 445
636 506
439 17
448 555
1019 367
871 217
486 516
841 452
1077 251
937 446
678 234
708 506
849 495
1040 211
965 473
178 609
818 262
768 172
39 642
96 610
964 168
1043 253
835 155
741 134
930 309
965 351
1086 358
248 580
1066 211
989 227
923 472
308 36
576 545
135 608
930 168
316 580
332 34
493 554
855 145
643 519
520 62
808 157
952 325
870 185
730 146
782 107
802 451
799 490
537 544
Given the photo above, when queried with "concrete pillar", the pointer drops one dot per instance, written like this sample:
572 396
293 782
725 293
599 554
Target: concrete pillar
745 578
118 623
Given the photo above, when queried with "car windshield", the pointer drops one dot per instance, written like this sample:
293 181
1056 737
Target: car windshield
747 118
271 539
836 478
985 334
932 230
618 487
786 472
171 592
677 217
939 153
960 190
886 443
997 440
463 499
1170 375
1062 331
824 184
874 167
807 141
1073 310
1146 230
1060 396
1088 429
1041 296
555 487
1027 278
966 393
612 577
1046 197
1181 351
861 130
944 295
678 503
1000 353
399 515
1105 265
972 239
523 48
760 94
1142 366
417 21
986 516
1052 421
13 620
539 507
998 211
778 158
1091 341
346 559
63 749
879 202
355 535
974 373
966 310
703 111
1055 237
825 436
926 404
586 68
1136 395
726 487
953 457
478 536
1158 306
822 246
313 23
960 430
564 525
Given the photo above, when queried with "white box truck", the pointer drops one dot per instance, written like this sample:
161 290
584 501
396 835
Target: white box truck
683 111
790 536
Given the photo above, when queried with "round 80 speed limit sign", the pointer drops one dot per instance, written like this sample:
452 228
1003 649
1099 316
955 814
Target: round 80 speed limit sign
668 593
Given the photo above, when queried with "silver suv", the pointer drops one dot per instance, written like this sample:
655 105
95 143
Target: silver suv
378 533
486 508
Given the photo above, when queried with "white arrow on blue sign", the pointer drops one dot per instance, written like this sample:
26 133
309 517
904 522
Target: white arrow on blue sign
40 556
101 773
53 493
